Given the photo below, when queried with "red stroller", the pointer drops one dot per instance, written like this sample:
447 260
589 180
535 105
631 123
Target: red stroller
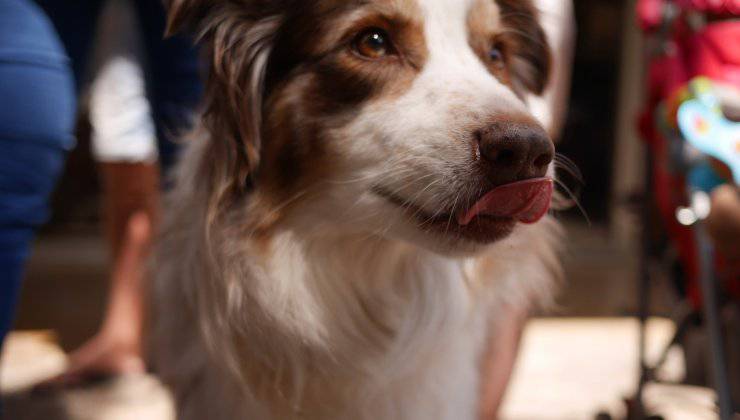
689 39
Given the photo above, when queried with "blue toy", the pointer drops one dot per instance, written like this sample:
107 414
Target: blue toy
706 128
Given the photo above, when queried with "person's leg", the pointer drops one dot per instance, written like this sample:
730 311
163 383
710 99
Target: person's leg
132 202
124 145
36 123
116 349
131 197
497 365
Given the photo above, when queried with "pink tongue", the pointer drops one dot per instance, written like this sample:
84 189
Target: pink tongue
526 201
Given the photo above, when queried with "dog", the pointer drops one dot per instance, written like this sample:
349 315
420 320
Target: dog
360 211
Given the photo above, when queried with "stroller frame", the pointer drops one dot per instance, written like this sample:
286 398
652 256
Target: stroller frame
709 313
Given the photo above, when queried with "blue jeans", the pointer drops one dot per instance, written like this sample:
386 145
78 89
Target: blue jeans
37 111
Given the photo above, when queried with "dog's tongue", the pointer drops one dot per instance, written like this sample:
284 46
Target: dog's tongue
526 201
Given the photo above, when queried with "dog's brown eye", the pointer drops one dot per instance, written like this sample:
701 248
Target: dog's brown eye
496 54
373 43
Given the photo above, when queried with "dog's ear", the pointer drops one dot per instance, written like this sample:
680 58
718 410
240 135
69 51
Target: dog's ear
237 36
531 60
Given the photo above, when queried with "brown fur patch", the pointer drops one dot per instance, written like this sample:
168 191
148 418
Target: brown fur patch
311 79
485 28
529 54
317 38
316 81
511 26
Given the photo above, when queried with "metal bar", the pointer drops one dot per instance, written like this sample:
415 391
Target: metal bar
713 322
683 325
643 290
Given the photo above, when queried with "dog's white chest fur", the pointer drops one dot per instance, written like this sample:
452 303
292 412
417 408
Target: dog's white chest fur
330 329
399 327
351 327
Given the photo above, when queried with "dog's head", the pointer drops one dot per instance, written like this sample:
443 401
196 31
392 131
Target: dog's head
402 118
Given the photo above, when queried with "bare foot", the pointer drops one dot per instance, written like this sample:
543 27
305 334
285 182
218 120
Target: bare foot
100 358
116 349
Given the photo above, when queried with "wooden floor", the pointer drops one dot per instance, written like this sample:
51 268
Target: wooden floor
569 369
29 358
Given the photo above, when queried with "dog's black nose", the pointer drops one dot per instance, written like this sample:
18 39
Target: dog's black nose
513 151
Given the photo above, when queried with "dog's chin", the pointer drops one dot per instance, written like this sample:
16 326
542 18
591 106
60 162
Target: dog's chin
375 214
445 236
447 245
441 233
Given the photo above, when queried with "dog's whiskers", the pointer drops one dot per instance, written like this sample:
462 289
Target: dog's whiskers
412 201
573 201
567 165
453 211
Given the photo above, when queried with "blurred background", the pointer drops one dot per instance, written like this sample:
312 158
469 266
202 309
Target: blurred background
578 360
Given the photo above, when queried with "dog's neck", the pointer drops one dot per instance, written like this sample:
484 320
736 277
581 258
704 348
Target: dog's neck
361 310
381 288
299 319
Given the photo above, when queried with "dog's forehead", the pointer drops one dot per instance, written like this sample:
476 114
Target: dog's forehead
442 17
447 10
452 22
450 10
449 13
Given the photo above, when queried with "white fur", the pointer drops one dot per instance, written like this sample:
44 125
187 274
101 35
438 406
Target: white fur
416 146
350 311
